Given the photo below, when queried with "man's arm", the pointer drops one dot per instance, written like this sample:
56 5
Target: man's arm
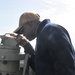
29 49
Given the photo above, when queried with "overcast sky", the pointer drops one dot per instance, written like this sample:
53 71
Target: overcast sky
58 11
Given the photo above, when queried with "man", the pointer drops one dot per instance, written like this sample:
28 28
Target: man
54 54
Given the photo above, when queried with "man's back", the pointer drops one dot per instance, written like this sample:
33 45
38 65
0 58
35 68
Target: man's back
54 51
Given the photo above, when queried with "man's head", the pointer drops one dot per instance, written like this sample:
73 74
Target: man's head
28 24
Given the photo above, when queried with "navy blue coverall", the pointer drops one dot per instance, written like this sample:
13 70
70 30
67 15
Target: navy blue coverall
54 54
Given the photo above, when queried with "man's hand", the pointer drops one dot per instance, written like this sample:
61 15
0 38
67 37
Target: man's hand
21 40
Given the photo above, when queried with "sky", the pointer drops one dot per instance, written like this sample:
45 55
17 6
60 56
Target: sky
58 11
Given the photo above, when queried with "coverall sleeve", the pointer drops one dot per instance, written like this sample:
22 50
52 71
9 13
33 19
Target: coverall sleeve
29 49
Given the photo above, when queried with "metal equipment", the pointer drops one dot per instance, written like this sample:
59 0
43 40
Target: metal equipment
10 57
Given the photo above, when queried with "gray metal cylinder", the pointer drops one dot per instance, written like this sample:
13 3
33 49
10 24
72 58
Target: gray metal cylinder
8 65
9 55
